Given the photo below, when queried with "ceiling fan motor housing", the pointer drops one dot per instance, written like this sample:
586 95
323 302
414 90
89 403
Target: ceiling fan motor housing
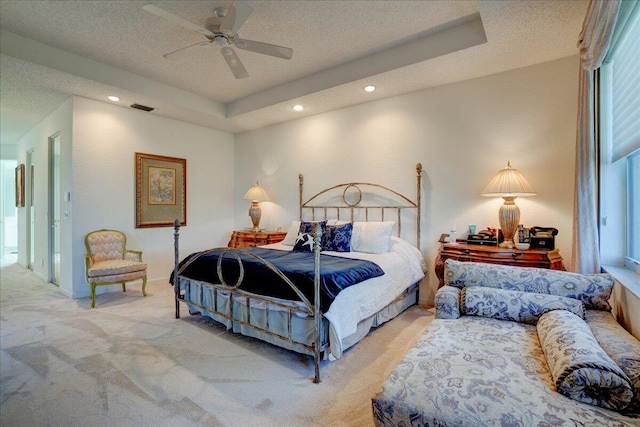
219 36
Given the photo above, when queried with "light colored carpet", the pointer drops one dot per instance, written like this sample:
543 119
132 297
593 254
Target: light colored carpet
129 362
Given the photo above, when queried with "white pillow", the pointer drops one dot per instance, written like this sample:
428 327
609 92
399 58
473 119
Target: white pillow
371 237
292 234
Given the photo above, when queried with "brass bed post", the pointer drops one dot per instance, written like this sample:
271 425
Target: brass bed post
300 181
176 281
317 315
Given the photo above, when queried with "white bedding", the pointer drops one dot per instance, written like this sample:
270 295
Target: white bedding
403 266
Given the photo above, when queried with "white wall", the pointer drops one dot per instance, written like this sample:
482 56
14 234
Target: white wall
462 133
8 152
100 140
626 308
105 138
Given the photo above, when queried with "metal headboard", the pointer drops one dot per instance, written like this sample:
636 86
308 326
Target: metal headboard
351 202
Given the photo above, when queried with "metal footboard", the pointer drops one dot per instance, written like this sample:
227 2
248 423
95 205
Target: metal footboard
235 292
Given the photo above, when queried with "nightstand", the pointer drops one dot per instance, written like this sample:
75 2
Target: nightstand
248 238
540 258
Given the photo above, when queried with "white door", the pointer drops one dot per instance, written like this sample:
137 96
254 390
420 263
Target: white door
54 209
31 215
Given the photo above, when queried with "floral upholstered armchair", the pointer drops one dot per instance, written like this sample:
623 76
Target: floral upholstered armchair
109 262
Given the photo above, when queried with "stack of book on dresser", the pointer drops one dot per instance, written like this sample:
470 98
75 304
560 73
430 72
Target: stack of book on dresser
484 237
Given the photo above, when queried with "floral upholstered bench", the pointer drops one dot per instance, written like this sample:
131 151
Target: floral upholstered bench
513 346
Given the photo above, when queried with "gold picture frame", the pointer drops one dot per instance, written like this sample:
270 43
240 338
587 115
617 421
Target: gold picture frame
20 185
161 190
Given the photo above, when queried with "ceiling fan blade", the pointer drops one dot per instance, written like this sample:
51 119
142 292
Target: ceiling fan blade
234 63
237 14
264 48
155 10
186 51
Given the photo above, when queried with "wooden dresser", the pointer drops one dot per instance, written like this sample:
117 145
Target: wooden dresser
246 238
496 255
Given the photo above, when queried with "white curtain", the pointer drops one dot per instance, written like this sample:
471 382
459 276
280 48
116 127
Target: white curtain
595 39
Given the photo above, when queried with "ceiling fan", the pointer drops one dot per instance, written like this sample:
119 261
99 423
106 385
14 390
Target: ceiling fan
221 30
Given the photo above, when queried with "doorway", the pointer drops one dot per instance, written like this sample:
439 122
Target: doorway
9 218
54 209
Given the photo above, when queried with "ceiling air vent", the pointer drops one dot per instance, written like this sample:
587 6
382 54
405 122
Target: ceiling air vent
142 107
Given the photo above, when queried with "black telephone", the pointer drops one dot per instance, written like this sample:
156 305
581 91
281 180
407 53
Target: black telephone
543 237
543 231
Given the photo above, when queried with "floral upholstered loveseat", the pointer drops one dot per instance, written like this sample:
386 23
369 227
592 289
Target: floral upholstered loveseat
513 346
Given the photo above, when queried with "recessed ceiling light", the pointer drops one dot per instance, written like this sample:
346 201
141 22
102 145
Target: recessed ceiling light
113 98
369 88
298 107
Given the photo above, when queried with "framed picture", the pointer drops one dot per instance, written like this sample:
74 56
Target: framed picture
161 190
20 185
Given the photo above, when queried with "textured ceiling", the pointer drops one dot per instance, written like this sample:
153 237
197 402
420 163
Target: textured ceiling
52 49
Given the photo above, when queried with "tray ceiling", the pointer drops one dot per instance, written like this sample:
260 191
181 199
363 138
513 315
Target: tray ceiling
53 49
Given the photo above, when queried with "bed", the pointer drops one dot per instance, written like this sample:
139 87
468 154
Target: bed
345 267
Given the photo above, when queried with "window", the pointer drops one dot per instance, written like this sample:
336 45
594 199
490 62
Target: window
633 206
619 130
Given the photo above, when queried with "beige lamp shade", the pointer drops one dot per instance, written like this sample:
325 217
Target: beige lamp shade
508 184
256 194
508 181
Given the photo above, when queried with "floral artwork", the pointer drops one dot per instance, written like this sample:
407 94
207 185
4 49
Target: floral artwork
162 186
161 190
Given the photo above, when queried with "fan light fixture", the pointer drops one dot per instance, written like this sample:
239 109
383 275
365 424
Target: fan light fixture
256 194
221 30
508 184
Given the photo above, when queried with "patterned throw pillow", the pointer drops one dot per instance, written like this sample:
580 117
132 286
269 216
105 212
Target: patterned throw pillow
304 241
523 307
580 368
593 290
337 238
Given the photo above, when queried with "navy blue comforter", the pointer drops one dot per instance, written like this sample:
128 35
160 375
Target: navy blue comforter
336 273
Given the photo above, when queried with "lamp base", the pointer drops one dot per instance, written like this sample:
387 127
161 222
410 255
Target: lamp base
509 218
507 244
255 213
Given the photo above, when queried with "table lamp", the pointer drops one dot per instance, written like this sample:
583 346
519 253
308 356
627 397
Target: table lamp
256 194
508 184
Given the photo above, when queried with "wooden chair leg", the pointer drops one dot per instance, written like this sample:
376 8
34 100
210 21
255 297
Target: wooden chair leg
124 289
144 285
93 294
